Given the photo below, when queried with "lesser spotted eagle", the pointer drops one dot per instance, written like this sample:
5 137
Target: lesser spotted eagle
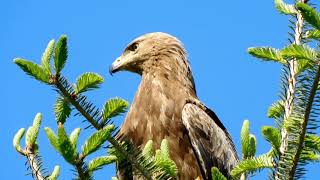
166 107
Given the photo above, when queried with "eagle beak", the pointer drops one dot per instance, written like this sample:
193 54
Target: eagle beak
115 66
112 69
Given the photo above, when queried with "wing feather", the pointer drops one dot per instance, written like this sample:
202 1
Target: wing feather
210 140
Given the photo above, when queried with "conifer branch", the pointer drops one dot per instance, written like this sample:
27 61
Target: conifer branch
293 72
31 151
306 117
288 104
72 95
130 157
75 103
83 174
32 160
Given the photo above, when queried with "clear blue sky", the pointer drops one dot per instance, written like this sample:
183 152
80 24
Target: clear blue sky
215 33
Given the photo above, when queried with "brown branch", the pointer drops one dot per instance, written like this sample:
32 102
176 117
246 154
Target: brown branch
83 175
31 156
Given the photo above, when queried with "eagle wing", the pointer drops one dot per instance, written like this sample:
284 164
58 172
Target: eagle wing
210 140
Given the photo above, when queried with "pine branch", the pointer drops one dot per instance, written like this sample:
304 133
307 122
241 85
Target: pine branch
267 54
101 161
131 158
295 114
75 103
113 107
94 122
55 173
306 117
216 174
72 95
66 146
31 151
313 34
285 8
60 54
288 103
88 81
272 135
252 165
83 173
94 142
32 160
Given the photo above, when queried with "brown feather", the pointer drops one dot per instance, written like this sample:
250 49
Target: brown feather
156 112
211 142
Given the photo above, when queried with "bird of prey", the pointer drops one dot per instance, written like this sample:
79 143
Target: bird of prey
166 107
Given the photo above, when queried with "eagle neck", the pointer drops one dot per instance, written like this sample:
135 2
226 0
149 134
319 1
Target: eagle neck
169 70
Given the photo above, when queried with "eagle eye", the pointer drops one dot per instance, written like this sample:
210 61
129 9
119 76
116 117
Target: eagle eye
133 47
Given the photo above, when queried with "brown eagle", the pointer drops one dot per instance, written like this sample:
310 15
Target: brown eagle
166 107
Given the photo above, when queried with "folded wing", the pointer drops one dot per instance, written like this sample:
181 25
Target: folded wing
210 140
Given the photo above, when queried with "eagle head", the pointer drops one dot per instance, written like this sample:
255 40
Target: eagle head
146 52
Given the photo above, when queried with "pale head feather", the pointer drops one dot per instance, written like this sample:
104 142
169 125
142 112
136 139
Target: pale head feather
146 49
156 53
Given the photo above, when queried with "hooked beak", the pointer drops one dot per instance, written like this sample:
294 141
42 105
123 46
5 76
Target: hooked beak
112 69
115 66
